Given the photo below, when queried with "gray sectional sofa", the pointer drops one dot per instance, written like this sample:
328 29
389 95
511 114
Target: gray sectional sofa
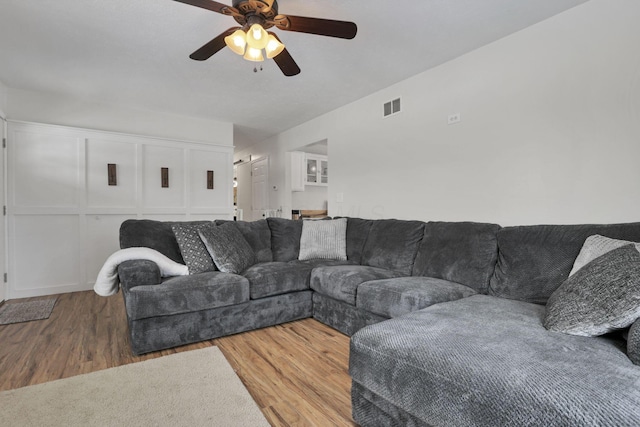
446 319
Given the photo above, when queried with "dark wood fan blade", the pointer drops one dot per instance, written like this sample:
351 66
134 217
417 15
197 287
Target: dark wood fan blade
286 64
321 27
207 4
211 48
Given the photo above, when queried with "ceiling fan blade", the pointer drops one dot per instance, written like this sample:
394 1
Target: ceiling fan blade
211 48
209 5
284 60
268 7
286 64
321 27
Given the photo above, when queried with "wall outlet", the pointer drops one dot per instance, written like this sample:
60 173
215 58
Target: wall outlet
453 118
339 197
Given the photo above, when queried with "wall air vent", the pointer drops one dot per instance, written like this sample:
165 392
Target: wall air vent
392 107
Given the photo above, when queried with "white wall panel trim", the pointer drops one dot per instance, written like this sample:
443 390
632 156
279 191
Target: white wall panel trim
124 136
61 208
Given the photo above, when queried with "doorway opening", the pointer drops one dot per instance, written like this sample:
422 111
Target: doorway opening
310 181
252 190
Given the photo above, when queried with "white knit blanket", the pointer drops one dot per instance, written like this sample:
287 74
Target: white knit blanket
107 282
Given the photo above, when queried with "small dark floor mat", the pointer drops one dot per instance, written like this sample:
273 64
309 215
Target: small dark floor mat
27 311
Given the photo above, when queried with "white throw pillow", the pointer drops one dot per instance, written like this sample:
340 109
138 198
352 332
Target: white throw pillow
323 239
595 246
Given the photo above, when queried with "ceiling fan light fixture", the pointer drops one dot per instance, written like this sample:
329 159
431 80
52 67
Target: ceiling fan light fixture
274 46
237 42
253 54
251 40
257 37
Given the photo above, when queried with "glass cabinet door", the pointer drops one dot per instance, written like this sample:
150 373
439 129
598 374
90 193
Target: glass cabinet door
324 172
312 171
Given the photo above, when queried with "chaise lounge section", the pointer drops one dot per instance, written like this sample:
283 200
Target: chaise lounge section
488 360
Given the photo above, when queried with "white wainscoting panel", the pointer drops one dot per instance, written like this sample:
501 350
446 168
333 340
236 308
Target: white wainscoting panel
64 218
102 235
200 162
101 195
156 158
49 254
45 168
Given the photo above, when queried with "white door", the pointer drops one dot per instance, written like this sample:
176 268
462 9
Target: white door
3 223
243 176
259 188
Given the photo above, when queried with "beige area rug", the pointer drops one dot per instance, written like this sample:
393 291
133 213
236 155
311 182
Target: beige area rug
194 388
18 312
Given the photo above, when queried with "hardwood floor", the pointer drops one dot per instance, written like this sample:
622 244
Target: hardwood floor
296 372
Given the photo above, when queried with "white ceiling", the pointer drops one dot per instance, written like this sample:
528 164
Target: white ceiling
136 53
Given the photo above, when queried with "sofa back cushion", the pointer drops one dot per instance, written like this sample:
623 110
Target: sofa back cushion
533 261
357 233
285 238
152 234
462 252
258 235
392 244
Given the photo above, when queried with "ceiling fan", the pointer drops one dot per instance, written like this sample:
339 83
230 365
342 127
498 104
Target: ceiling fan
255 17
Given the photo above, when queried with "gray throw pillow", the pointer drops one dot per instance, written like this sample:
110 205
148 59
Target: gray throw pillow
324 239
601 297
229 249
595 246
633 343
194 253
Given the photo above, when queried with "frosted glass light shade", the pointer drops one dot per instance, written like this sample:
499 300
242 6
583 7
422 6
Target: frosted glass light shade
274 47
253 54
237 41
257 37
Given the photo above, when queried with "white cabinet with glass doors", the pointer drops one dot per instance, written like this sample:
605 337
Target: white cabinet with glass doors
308 169
317 170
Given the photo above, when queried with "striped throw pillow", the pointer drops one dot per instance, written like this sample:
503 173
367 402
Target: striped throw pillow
323 239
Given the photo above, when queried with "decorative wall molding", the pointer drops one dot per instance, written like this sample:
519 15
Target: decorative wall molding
64 218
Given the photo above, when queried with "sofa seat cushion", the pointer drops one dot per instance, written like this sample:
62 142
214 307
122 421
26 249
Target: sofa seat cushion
402 295
341 282
184 294
487 361
275 278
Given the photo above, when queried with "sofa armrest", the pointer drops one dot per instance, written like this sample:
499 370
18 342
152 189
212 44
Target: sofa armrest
633 343
138 272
